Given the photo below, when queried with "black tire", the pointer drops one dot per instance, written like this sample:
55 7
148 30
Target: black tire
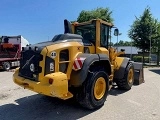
86 96
6 66
128 80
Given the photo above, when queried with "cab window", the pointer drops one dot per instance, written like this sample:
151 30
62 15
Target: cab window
104 36
88 32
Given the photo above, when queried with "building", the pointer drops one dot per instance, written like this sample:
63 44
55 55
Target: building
131 51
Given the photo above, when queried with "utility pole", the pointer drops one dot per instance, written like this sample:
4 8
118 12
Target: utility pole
158 51
117 40
131 50
150 47
158 45
150 53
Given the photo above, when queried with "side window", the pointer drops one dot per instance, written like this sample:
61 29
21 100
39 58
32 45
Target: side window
88 32
79 32
104 35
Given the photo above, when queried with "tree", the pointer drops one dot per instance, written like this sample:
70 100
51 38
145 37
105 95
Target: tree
120 43
101 13
110 44
157 42
127 43
143 30
123 43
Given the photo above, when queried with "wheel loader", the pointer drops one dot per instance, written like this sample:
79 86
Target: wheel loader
79 63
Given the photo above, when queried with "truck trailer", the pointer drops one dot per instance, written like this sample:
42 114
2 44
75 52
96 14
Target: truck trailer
10 51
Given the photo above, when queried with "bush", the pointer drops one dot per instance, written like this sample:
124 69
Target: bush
140 59
137 58
146 59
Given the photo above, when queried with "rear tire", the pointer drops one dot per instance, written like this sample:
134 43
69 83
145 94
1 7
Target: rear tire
127 82
94 90
6 66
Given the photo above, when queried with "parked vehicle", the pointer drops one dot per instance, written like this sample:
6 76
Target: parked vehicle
78 63
10 51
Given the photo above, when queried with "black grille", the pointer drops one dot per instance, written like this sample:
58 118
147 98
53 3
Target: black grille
29 57
64 58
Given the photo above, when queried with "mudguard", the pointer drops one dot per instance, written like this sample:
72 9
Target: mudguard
138 71
78 77
119 74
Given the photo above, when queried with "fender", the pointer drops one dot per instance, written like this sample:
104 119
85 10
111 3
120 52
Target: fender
78 77
119 74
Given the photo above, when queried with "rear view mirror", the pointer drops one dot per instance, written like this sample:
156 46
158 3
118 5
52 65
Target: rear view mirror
116 32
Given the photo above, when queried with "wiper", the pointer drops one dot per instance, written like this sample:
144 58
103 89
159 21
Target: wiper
27 62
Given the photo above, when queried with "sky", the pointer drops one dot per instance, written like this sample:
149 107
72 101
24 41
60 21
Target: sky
40 20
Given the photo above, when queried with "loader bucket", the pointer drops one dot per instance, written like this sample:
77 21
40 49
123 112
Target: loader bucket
138 73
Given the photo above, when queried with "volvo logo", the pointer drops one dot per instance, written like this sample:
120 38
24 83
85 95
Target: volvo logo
28 61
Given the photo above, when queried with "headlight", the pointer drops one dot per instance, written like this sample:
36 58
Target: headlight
51 66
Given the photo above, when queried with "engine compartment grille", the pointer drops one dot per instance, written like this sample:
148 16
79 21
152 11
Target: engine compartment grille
29 64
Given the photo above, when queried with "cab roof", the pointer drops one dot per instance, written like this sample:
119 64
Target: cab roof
91 21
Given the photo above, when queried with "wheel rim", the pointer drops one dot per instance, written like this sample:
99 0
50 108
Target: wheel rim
7 66
99 88
130 76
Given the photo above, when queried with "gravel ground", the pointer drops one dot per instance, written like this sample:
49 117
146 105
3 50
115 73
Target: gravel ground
142 102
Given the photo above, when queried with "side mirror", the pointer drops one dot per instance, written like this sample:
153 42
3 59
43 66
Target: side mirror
116 32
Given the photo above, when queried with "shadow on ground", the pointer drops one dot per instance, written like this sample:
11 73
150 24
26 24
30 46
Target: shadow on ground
1 70
155 71
116 91
13 68
39 107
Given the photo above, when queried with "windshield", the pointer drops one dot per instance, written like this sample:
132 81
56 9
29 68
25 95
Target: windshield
88 32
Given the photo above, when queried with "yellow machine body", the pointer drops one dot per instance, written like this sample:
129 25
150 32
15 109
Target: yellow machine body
52 67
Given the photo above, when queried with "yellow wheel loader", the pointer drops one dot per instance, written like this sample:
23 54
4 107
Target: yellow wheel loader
79 63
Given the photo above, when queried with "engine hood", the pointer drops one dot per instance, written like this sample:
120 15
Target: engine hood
61 38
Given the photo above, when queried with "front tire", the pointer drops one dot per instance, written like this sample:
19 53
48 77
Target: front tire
94 90
128 80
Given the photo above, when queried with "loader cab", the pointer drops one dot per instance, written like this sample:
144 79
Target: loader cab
97 31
